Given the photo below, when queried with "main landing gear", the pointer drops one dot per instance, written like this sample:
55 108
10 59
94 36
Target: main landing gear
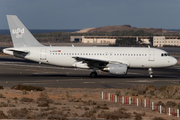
150 70
93 74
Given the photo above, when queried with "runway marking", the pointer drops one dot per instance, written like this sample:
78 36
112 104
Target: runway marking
88 82
143 81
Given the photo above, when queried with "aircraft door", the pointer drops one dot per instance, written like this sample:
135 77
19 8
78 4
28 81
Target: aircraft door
151 55
43 54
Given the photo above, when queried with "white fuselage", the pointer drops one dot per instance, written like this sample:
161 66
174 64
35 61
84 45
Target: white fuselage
133 57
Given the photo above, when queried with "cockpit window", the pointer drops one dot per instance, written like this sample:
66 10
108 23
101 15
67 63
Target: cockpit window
165 54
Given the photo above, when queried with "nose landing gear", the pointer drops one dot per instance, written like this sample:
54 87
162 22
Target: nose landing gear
150 70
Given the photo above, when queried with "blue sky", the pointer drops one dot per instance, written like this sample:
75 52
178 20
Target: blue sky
79 14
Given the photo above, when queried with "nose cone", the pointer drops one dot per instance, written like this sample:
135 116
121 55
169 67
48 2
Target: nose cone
174 61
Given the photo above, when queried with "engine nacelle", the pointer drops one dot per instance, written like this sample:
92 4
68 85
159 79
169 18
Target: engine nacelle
117 69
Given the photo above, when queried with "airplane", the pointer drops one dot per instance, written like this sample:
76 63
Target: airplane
115 60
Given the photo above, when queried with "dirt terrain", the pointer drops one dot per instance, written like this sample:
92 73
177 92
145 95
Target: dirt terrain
82 103
157 31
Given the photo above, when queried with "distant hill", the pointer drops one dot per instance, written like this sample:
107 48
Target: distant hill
157 31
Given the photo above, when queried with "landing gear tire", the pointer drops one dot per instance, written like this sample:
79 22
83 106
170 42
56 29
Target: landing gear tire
150 72
93 74
151 76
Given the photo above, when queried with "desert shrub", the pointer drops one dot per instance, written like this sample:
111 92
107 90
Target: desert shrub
118 92
88 114
56 117
28 88
134 92
15 113
142 89
120 113
170 104
24 99
151 87
43 100
90 102
102 107
93 117
3 116
11 105
85 95
158 118
178 106
161 103
24 92
1 95
3 104
1 87
163 88
86 108
177 97
75 100
138 117
161 95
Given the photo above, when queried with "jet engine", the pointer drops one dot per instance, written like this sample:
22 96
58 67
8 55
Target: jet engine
117 69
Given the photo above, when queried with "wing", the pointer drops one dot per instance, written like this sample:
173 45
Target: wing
91 62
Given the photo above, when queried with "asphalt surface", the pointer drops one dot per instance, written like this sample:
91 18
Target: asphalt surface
18 71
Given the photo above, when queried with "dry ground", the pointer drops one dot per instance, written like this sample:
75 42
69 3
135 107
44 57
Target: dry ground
71 103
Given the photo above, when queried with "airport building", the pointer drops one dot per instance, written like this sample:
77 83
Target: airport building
160 41
94 39
108 39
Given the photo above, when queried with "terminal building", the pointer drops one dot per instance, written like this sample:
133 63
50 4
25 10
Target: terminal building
157 41
108 39
160 41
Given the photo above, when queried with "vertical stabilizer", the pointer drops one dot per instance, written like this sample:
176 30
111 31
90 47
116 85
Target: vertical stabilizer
21 36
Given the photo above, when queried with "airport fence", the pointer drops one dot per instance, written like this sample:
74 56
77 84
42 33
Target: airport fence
141 102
